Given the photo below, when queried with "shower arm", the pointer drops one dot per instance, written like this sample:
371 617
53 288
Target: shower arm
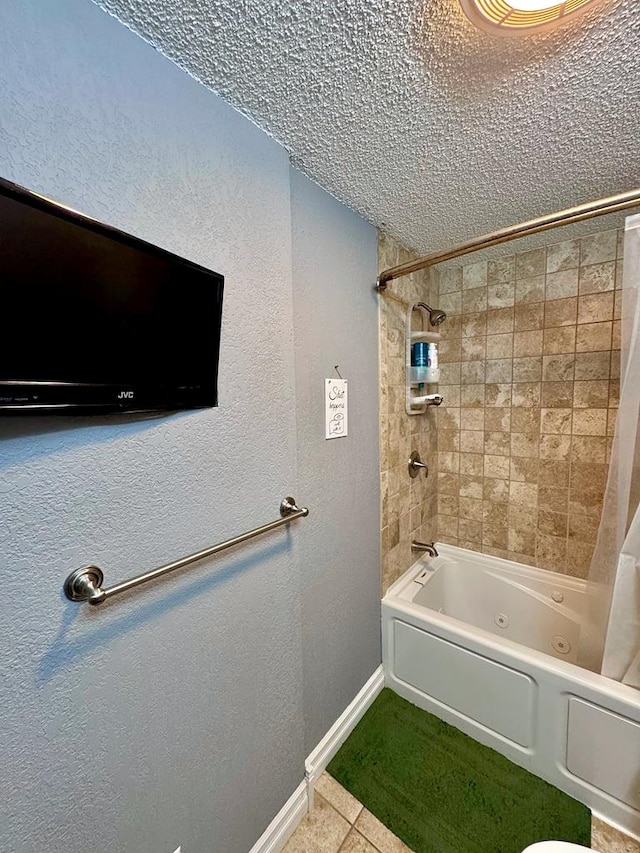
591 209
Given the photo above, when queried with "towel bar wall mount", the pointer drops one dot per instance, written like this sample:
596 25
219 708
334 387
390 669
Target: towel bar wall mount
85 584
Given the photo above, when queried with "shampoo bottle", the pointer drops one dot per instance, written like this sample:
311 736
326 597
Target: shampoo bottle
433 371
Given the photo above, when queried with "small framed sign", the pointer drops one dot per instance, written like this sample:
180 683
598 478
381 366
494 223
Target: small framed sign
335 408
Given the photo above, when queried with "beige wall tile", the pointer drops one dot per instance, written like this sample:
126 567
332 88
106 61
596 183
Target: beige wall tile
553 499
562 284
523 495
592 394
450 373
555 472
594 365
558 367
473 325
527 369
551 552
447 526
495 536
524 470
530 289
590 422
475 275
525 444
473 349
557 395
495 443
563 256
448 484
555 446
448 418
597 278
589 448
595 308
585 476
593 337
471 463
530 384
448 440
526 394
529 316
520 543
496 466
471 487
472 372
472 419
500 320
556 421
450 280
472 441
451 303
579 554
531 263
585 502
470 531
471 509
501 295
499 346
499 370
598 248
447 505
525 420
502 269
449 351
472 396
498 419
552 523
496 490
583 528
474 300
559 340
562 312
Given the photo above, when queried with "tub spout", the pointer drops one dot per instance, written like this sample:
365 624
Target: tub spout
429 547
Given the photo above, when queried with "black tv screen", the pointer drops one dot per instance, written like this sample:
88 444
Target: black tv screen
96 320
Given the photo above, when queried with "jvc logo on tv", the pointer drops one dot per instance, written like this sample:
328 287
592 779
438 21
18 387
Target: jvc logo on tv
125 395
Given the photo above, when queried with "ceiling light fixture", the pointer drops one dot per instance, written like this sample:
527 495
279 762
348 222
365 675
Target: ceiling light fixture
514 16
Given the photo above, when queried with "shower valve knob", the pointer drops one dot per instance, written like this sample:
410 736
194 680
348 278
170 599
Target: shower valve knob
415 465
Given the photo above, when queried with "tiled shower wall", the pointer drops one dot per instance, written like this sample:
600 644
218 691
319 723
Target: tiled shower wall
408 506
530 369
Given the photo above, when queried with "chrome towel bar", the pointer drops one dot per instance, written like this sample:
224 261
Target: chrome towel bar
85 584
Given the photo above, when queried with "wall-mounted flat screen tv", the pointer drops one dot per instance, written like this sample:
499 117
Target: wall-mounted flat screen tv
97 321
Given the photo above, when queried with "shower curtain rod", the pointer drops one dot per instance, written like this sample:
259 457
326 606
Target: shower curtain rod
543 223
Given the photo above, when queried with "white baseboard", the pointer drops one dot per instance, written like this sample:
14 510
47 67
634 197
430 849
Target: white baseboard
285 822
342 728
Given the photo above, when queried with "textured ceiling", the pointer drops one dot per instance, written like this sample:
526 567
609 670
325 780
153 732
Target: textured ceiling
428 127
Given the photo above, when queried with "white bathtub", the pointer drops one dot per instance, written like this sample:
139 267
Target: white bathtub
489 646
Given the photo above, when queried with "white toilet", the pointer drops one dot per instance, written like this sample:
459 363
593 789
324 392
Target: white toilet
555 847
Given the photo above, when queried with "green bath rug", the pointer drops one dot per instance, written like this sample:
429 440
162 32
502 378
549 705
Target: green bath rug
442 792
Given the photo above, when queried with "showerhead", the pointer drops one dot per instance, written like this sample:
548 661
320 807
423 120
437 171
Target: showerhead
435 315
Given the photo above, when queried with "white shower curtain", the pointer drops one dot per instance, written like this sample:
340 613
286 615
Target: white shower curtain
611 637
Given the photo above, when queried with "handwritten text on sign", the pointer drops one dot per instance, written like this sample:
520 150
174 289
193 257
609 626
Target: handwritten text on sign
335 408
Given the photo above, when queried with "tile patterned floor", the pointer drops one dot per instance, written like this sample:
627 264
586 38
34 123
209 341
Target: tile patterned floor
338 822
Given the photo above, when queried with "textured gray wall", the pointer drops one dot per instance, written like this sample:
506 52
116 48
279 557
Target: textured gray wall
175 714
336 322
